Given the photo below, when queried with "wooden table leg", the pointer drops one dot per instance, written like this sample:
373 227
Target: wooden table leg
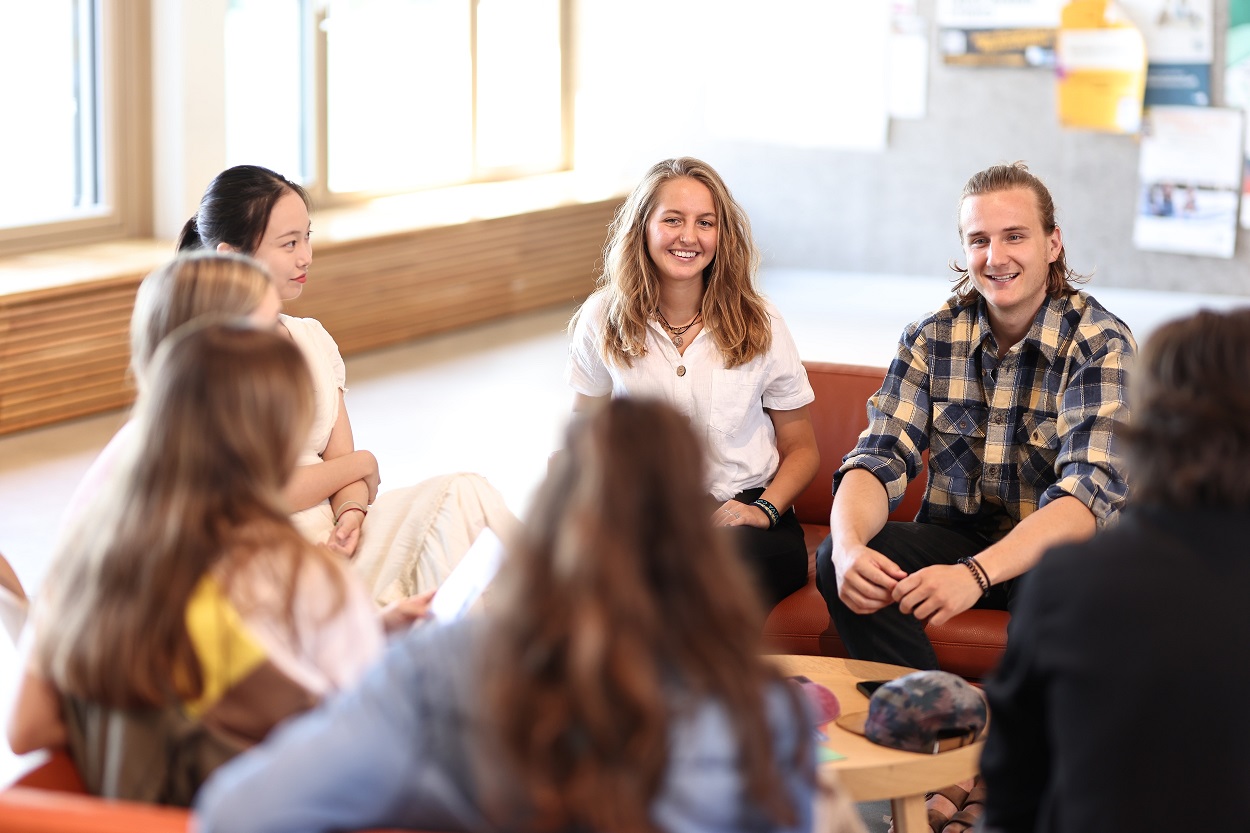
910 815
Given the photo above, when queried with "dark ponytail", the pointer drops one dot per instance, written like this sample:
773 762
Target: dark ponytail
190 237
235 209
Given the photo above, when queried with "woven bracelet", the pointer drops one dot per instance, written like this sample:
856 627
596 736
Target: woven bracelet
978 573
771 511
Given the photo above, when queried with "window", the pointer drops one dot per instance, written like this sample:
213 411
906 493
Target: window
354 98
67 139
268 48
415 93
51 165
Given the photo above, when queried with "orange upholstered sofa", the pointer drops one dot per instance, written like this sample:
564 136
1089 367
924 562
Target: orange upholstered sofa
970 644
51 799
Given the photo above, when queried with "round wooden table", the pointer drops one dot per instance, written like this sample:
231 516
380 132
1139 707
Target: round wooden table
870 772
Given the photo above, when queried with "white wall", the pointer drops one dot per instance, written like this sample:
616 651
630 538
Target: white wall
658 79
645 73
188 106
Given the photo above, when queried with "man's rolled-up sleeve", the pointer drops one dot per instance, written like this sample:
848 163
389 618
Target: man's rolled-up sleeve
898 421
1094 403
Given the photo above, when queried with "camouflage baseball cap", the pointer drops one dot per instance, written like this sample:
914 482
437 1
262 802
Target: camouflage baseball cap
925 711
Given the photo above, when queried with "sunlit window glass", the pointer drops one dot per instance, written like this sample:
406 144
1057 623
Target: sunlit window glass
50 138
399 94
518 84
268 46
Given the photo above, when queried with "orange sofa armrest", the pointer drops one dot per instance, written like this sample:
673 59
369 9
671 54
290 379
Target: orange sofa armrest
57 773
29 810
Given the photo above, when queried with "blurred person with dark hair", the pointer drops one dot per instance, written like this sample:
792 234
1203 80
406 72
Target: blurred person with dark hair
1120 703
614 683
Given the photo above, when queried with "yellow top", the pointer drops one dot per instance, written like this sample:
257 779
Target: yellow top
226 650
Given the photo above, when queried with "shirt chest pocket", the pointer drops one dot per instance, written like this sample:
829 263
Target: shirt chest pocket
1038 444
957 445
735 393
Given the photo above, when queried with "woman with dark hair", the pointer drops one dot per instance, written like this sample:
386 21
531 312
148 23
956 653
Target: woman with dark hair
1120 701
409 540
184 616
677 316
614 682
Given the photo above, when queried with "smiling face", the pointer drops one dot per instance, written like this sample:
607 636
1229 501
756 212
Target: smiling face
1009 253
286 248
682 230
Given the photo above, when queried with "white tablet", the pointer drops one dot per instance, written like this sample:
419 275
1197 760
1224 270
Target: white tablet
466 582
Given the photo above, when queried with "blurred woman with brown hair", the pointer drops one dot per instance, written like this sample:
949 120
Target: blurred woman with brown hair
614 682
184 616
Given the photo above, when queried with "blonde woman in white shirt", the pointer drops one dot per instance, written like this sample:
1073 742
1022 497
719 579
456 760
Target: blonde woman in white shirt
677 317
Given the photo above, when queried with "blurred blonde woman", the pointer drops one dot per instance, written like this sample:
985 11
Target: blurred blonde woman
184 616
614 683
182 290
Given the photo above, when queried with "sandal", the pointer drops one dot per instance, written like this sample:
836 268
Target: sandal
942 805
971 811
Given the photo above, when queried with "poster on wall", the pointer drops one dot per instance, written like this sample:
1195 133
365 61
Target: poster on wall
1237 83
1100 68
1180 46
988 33
1189 178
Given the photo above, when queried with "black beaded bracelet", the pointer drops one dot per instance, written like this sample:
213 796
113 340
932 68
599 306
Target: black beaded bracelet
978 573
771 511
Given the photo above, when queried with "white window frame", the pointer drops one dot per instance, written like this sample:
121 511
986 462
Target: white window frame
318 133
124 117
160 149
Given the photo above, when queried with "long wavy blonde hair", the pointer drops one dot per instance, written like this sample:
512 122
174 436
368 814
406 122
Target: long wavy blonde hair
734 314
219 426
618 591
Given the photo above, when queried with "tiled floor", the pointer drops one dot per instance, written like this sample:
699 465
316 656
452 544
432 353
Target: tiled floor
492 399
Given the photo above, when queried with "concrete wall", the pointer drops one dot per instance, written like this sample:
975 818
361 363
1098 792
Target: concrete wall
890 212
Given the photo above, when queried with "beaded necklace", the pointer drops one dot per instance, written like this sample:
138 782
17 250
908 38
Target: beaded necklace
676 332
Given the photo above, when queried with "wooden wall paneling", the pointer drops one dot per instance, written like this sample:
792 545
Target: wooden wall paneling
64 352
64 349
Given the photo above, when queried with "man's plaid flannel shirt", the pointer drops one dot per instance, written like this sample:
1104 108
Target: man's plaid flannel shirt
1004 436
